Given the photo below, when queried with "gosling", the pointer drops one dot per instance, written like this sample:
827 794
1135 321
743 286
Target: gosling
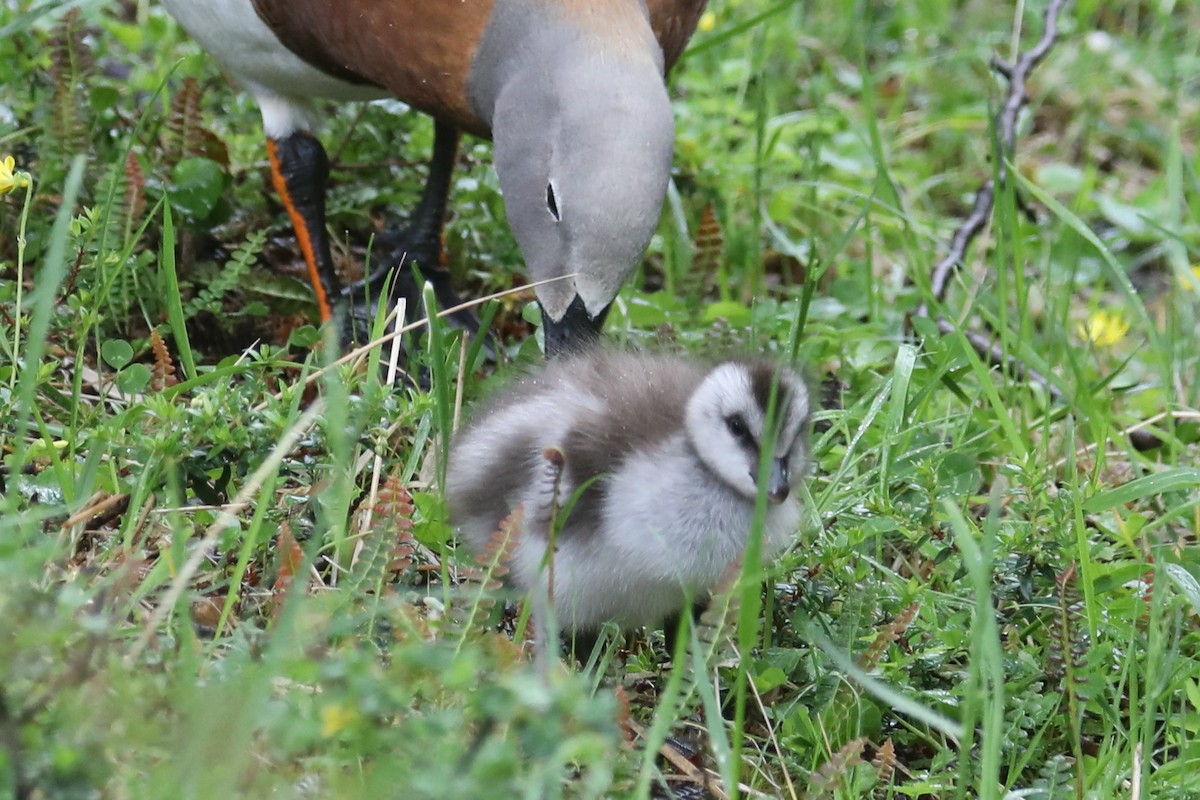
648 468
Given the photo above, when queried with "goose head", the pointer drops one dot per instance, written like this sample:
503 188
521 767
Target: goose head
584 136
729 426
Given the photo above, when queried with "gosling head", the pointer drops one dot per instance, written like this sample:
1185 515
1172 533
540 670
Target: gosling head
729 427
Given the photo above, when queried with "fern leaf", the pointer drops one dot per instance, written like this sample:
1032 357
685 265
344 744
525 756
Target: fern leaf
71 64
889 634
834 772
185 135
884 763
164 367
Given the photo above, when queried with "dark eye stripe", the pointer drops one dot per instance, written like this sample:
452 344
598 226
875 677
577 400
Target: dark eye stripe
737 426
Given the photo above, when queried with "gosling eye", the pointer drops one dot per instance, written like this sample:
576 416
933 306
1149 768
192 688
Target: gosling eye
552 203
737 426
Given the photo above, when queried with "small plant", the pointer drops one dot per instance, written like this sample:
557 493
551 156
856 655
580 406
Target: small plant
210 296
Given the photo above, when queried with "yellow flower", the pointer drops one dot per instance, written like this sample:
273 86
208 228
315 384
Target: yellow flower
335 718
1190 285
9 178
1103 328
708 21
8 181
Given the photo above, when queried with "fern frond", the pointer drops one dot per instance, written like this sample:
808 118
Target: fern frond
708 247
886 636
721 613
833 773
884 763
163 374
492 560
1054 778
289 560
134 204
1067 660
500 548
71 64
230 278
395 510
387 546
185 135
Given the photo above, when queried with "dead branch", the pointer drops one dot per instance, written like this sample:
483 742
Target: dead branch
994 354
1016 99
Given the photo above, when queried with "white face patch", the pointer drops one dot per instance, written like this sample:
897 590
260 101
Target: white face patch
727 426
723 397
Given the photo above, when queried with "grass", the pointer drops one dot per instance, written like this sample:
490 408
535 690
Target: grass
225 570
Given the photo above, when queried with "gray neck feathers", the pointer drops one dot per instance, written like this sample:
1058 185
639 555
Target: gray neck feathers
533 43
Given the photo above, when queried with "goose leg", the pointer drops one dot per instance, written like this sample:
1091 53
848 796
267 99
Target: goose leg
580 645
300 173
421 242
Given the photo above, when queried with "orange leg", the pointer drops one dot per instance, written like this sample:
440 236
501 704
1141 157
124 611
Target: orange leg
299 171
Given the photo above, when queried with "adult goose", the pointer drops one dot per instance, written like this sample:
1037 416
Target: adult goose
572 93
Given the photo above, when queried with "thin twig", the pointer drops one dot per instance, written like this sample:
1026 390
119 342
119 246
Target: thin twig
99 504
994 354
1178 416
362 351
1015 101
1017 74
393 367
